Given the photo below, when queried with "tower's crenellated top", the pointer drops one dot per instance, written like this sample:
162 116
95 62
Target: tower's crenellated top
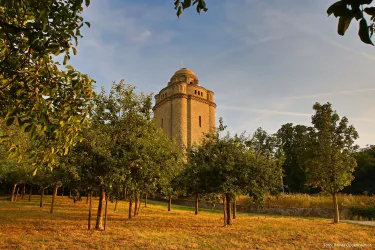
184 84
184 75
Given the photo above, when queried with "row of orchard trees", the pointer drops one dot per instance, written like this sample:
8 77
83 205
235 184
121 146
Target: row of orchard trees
121 154
257 165
227 166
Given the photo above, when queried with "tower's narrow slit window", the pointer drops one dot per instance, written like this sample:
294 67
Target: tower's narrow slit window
162 122
200 121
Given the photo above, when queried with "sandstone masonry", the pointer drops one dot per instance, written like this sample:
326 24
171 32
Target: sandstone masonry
184 109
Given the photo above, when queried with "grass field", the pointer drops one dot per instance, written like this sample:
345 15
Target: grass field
314 201
23 225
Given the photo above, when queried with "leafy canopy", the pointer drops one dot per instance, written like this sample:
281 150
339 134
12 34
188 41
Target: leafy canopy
34 92
331 160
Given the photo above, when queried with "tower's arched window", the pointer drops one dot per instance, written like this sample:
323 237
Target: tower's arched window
195 91
162 122
200 121
166 94
199 93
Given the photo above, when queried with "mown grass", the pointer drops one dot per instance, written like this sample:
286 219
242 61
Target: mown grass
314 201
23 225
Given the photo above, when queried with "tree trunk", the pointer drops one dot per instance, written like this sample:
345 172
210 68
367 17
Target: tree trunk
130 208
136 204
229 208
170 203
99 217
106 210
234 208
41 197
70 194
87 198
13 191
30 192
146 195
139 203
23 191
90 206
115 205
62 191
53 197
225 210
18 190
196 203
125 193
336 218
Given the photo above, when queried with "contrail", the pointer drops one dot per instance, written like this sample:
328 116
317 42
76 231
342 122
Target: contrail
267 112
342 92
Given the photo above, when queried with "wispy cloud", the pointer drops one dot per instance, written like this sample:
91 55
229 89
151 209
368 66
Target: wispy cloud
266 111
342 92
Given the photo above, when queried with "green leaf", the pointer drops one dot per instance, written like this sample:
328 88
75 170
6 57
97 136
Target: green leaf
333 7
370 11
343 25
88 24
179 12
74 51
87 2
364 33
65 60
10 121
34 172
186 4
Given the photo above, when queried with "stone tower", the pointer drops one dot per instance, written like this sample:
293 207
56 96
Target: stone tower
184 109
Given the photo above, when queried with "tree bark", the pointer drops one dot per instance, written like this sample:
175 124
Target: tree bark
336 218
139 203
99 217
70 194
62 191
115 205
146 195
234 208
53 197
41 197
18 190
90 206
87 198
170 203
196 202
30 193
23 191
136 204
130 208
229 208
225 210
125 193
106 210
13 191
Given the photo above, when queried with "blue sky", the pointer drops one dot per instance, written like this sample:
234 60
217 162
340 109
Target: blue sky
268 61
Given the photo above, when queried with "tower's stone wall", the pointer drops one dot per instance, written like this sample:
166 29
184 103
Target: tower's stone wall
184 109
